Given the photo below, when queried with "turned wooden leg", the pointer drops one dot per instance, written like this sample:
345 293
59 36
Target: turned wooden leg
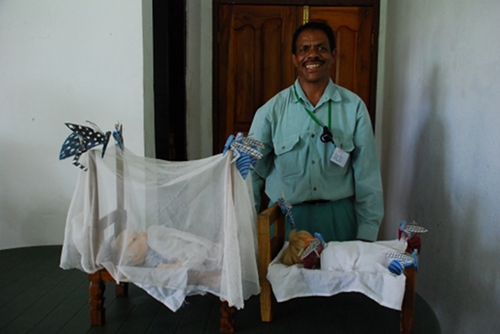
121 289
96 290
227 318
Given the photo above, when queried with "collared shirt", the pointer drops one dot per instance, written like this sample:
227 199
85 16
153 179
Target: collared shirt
297 163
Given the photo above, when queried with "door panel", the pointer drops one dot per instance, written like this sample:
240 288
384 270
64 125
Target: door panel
254 61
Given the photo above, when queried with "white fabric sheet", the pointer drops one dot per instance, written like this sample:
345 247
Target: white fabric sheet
197 216
352 266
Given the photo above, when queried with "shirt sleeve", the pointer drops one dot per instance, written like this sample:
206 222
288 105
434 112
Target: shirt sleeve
369 205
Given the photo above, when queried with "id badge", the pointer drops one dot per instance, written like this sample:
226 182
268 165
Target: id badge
339 157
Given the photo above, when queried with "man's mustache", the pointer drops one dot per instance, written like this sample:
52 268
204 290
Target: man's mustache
313 60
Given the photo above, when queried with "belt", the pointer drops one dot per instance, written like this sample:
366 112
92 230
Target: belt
316 201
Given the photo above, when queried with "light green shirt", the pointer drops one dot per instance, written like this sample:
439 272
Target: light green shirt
297 163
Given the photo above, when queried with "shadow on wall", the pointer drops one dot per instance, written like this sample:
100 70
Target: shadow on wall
393 155
457 276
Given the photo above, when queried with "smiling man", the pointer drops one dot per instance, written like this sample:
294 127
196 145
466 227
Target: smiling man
313 56
320 151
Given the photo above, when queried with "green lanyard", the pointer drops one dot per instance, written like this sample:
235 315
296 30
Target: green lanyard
312 115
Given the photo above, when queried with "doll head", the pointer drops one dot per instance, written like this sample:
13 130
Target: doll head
297 243
130 248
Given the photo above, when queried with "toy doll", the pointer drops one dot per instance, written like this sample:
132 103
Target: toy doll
167 248
131 248
303 248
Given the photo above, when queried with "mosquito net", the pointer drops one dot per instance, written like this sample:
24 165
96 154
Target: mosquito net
172 228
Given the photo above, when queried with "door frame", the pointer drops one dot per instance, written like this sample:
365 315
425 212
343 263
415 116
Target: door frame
169 62
375 4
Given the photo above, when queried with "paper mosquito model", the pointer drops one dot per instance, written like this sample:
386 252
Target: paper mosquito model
286 208
82 139
402 260
245 150
316 245
410 229
117 135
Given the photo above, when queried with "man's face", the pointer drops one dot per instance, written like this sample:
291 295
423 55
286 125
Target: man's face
313 56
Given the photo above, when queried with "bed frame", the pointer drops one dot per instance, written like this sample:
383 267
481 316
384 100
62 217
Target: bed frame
270 247
98 280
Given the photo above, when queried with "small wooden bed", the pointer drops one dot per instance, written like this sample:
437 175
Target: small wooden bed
269 247
117 219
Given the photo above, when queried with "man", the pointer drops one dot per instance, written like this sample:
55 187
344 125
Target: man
320 152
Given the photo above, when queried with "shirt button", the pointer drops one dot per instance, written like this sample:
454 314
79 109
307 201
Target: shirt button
283 148
315 189
313 162
312 135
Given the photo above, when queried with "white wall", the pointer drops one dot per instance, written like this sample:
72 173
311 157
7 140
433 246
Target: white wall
440 147
62 61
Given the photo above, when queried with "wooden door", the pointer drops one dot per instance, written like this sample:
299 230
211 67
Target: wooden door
255 60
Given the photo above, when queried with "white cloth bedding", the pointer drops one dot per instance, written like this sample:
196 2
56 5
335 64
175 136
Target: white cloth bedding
353 266
197 214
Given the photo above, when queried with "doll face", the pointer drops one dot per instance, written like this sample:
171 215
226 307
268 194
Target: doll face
138 246
133 247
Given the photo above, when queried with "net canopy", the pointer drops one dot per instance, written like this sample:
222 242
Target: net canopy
172 228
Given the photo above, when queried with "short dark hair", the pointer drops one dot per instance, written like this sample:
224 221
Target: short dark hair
314 25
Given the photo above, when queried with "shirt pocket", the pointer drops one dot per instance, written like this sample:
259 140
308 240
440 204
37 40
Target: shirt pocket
345 143
289 161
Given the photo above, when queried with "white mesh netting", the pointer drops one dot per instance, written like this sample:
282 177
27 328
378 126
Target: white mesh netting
172 228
